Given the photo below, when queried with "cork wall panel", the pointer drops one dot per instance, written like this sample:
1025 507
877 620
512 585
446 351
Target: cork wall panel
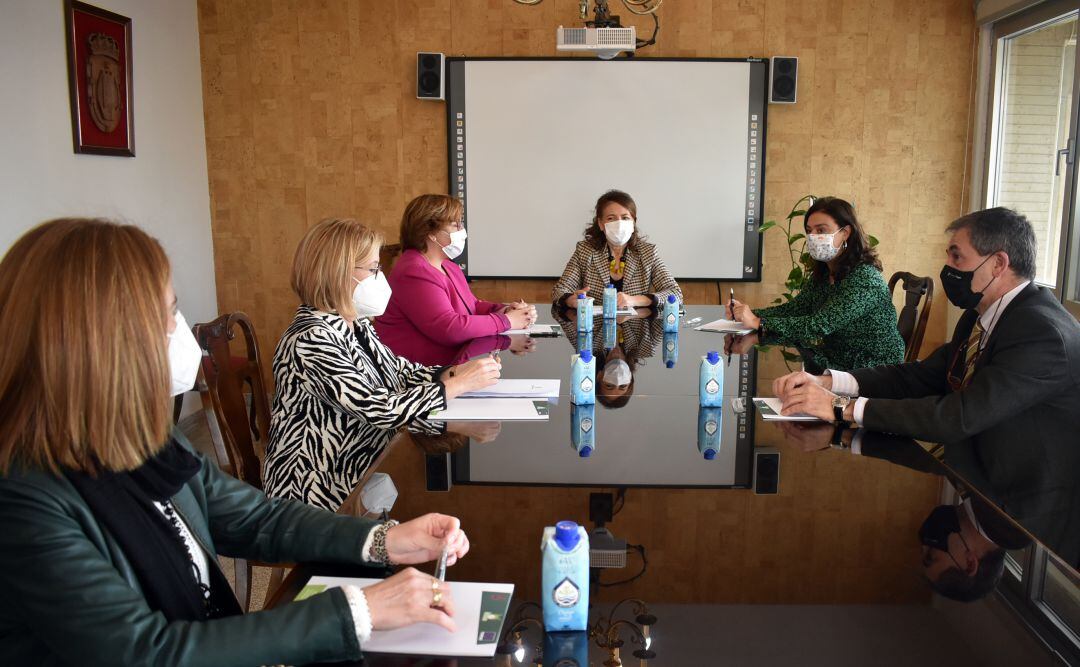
311 112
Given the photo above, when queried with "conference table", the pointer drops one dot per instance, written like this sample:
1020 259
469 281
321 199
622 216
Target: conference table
718 548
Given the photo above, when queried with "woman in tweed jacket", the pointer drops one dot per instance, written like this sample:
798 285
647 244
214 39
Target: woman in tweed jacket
614 251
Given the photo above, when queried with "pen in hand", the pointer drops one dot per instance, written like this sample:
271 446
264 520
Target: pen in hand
731 301
440 566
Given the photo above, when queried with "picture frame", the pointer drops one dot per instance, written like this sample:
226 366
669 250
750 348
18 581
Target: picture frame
100 80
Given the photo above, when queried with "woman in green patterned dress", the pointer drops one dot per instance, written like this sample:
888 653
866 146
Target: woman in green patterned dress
845 312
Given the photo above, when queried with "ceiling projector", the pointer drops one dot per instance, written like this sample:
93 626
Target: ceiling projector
606 43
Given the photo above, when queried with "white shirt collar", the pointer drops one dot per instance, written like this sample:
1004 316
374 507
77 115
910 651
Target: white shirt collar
991 315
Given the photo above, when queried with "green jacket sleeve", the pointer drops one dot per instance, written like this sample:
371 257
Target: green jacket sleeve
61 586
800 305
846 305
244 523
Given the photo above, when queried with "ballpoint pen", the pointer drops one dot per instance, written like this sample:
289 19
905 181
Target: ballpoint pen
731 301
440 567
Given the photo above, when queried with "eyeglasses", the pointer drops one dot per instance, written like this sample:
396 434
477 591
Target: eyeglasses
373 271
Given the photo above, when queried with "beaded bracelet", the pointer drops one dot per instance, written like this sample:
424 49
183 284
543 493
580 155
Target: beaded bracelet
378 543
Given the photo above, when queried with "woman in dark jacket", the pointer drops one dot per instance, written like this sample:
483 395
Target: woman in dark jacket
111 525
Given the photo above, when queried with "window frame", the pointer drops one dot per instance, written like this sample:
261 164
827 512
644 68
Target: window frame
1015 25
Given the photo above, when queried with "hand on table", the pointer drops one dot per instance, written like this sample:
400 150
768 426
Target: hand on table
571 301
521 344
471 375
743 314
423 539
785 384
809 398
407 598
521 318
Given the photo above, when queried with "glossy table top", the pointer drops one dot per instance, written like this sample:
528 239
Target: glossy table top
841 530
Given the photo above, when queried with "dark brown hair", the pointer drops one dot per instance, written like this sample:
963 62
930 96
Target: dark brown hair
595 236
858 249
425 215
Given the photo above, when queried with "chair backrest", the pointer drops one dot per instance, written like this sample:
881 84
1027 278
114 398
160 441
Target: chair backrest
912 320
234 394
388 254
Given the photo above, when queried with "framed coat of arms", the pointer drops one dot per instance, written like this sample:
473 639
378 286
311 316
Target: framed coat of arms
99 78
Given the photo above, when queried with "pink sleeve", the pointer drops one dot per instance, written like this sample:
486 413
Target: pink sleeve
422 297
487 307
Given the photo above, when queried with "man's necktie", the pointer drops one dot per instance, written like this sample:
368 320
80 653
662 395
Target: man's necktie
971 354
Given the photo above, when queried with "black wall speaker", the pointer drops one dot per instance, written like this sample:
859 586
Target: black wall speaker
429 76
783 79
766 471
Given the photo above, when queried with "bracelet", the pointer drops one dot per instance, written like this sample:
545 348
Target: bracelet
378 543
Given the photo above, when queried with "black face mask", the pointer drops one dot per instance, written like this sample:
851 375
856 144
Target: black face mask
942 522
957 285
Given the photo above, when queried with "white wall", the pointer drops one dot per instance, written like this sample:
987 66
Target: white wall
163 189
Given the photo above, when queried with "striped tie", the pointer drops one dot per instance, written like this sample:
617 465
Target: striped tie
971 354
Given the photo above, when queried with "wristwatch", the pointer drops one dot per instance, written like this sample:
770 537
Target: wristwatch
838 405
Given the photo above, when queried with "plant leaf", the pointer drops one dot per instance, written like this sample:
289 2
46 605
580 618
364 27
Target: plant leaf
777 300
796 214
792 240
767 225
873 240
796 274
790 356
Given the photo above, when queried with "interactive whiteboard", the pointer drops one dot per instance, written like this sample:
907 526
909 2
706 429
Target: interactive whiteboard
534 142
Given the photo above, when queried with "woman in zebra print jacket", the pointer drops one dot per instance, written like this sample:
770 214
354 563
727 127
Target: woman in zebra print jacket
338 388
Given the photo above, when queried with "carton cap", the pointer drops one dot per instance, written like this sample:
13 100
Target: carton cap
710 454
713 357
586 355
566 535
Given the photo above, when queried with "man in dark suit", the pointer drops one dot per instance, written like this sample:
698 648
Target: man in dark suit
1005 391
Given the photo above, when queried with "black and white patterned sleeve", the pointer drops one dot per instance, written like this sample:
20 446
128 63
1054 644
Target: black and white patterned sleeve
328 374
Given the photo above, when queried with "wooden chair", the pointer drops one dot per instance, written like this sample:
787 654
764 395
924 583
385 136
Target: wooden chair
237 409
912 320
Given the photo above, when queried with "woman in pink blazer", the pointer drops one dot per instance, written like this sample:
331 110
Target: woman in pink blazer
432 311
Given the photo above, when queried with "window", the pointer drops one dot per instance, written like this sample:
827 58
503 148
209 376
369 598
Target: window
1032 120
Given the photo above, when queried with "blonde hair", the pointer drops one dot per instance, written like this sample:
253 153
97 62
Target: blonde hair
324 263
84 370
424 215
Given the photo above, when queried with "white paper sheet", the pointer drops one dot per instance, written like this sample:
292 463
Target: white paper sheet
508 388
725 326
536 330
627 310
430 639
492 409
770 411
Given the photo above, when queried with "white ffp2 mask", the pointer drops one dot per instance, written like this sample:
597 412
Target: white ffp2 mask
371 295
185 355
618 232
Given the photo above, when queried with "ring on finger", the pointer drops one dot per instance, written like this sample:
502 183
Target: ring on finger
436 598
